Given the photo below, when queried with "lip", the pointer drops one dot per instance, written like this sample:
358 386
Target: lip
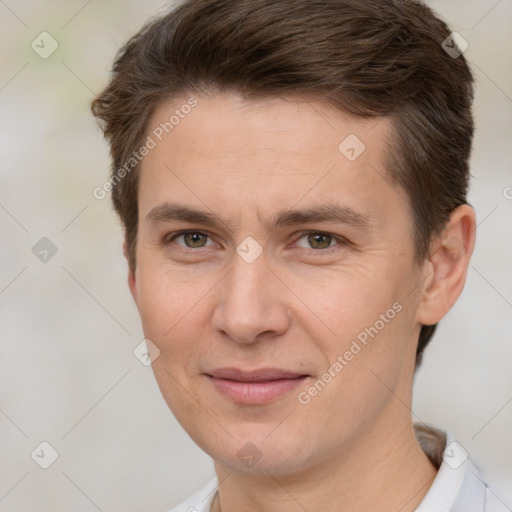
254 387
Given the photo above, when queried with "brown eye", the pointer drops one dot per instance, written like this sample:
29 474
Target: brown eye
194 240
319 240
191 239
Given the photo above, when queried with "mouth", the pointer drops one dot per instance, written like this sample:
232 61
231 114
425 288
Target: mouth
254 387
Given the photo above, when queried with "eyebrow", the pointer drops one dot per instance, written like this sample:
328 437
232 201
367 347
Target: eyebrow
330 212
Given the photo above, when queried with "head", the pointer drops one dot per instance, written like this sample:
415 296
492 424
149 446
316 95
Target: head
317 153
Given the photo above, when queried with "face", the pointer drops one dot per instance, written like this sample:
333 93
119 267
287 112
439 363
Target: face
275 274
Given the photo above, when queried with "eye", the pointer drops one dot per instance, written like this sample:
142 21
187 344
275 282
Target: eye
191 239
318 240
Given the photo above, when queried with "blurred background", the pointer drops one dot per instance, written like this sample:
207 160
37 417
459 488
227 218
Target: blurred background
68 375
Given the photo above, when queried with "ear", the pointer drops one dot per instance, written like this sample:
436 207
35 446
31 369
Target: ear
445 273
132 282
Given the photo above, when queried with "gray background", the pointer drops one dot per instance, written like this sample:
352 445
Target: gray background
68 326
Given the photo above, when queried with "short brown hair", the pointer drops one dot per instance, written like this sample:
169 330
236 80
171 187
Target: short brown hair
367 57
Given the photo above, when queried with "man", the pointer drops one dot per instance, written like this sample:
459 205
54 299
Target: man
292 180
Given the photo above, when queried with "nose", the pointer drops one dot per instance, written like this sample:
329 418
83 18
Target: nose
252 303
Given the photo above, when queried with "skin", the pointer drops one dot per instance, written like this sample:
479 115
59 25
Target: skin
297 306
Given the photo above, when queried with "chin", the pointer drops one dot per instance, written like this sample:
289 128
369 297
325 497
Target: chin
258 453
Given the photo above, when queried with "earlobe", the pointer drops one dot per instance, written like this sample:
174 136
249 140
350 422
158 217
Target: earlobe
445 275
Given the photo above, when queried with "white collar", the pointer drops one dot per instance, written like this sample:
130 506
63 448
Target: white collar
457 486
454 467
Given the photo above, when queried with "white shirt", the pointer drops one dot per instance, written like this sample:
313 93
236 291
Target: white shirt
457 487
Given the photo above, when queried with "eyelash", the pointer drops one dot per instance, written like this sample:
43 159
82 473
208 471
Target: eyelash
340 240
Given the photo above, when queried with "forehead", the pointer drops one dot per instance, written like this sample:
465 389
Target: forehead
265 155
230 125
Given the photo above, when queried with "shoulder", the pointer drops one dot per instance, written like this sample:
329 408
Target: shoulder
458 485
494 503
476 494
200 501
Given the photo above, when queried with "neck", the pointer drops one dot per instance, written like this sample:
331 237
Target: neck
383 469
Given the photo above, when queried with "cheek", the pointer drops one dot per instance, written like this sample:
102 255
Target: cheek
165 306
170 318
345 305
366 326
164 296
366 360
